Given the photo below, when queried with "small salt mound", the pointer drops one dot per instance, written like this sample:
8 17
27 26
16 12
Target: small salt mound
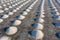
20 6
10 13
5 16
42 16
24 4
5 38
11 2
8 3
57 13
42 12
56 10
10 30
2 2
1 11
25 13
6 9
37 34
14 10
1 20
40 20
54 7
38 26
0 6
16 4
17 9
13 5
17 22
33 3
31 6
4 5
21 17
19 3
10 6
28 10
58 18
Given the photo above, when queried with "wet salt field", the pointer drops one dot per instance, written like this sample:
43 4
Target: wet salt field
29 19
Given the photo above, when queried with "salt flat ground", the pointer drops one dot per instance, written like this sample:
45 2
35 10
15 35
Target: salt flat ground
22 34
